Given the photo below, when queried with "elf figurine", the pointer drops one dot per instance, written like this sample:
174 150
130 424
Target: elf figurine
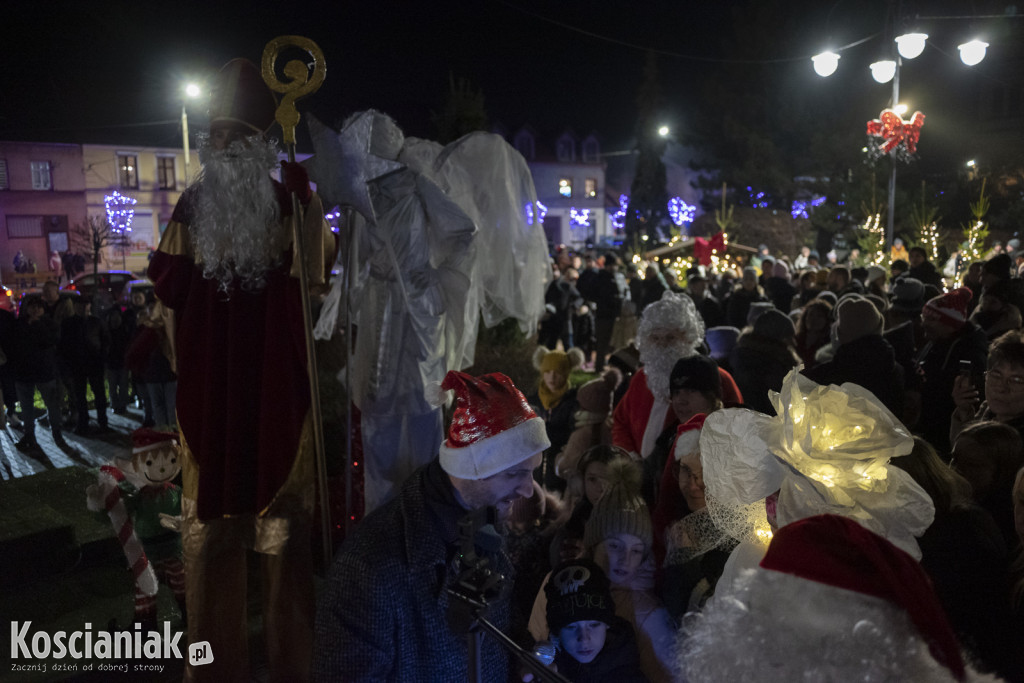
144 506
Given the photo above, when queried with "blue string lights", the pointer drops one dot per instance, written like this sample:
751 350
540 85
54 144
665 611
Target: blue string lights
680 212
120 212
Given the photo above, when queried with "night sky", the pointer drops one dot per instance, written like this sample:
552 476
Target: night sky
95 72
112 71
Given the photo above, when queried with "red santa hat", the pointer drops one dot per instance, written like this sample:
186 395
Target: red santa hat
493 427
147 439
240 96
688 436
839 552
949 308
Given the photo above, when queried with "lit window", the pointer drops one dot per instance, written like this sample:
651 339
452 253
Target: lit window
590 187
165 173
565 187
41 177
128 169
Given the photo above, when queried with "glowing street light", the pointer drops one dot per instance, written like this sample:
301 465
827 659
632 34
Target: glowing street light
972 52
911 45
825 63
883 71
192 91
663 131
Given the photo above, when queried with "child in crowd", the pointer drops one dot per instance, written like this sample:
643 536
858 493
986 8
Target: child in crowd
594 645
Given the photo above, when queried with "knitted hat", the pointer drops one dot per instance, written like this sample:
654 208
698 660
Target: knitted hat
621 510
698 373
546 360
908 295
999 265
775 324
492 429
875 273
688 436
596 395
750 272
721 340
240 96
829 297
837 551
148 439
949 308
857 317
781 269
578 591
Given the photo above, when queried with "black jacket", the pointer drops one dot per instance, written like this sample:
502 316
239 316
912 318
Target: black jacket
35 357
618 661
869 362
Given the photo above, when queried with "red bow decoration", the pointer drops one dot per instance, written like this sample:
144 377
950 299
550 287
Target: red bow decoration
703 248
894 131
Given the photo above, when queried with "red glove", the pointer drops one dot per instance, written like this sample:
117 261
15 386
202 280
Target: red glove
296 180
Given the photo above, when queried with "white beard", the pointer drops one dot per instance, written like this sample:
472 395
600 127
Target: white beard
658 364
237 231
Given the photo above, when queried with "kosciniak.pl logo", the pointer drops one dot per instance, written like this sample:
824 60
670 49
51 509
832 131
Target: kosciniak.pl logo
28 646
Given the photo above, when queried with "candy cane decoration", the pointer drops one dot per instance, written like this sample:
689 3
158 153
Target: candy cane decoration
106 496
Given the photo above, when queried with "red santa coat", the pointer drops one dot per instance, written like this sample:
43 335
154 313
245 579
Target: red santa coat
243 388
629 421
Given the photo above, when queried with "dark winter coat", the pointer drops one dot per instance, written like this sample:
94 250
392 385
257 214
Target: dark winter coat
927 274
940 363
869 362
780 292
560 422
608 291
383 615
35 357
739 305
710 310
618 661
84 343
759 364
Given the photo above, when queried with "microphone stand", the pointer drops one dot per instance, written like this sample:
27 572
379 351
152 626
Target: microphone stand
475 585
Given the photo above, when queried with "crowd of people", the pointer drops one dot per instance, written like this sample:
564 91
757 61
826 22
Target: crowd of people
64 344
637 524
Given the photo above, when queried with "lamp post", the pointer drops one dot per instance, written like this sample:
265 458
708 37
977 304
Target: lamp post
191 91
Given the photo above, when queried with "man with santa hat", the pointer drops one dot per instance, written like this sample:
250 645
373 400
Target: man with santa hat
225 266
386 613
669 329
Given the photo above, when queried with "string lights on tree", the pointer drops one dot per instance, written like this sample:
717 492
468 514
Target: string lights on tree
680 212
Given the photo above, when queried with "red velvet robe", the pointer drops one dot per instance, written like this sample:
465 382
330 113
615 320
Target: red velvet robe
243 388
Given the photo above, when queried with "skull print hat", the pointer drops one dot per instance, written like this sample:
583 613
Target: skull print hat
578 591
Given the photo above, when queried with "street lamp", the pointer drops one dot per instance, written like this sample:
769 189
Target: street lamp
825 63
192 91
911 45
972 52
663 131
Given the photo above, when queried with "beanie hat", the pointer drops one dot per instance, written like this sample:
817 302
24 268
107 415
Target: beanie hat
578 591
240 96
949 308
999 265
813 255
546 360
875 273
757 308
775 324
492 429
596 395
857 317
688 436
721 340
750 271
698 373
148 439
621 510
837 551
781 269
829 297
908 295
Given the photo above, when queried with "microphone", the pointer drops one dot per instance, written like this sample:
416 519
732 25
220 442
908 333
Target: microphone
544 652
